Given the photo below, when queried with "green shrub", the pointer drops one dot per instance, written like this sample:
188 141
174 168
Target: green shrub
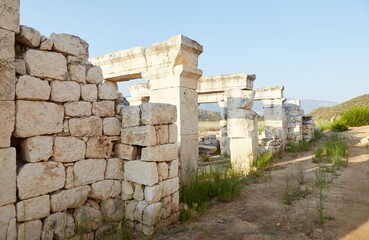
264 160
333 150
293 189
356 117
298 147
338 126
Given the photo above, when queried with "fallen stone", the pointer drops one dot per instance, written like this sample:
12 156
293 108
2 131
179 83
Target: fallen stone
28 36
89 171
69 149
71 198
31 88
78 109
7 121
103 108
141 172
160 153
112 210
141 136
70 45
114 169
85 127
158 113
33 208
65 91
111 126
7 176
58 226
105 189
30 230
99 147
87 218
89 92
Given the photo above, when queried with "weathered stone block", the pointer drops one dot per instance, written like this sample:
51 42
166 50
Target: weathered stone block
89 171
160 153
9 17
142 136
58 226
78 109
163 170
88 218
242 123
33 208
105 189
111 126
7 65
89 92
7 176
65 91
69 178
8 226
130 209
138 214
20 66
36 149
7 122
94 75
139 193
77 69
46 44
151 214
30 230
103 108
107 91
38 64
175 202
86 127
114 169
127 190
141 172
44 117
126 152
166 206
99 147
162 134
173 168
158 113
244 152
153 194
112 210
173 133
70 45
72 198
169 186
28 36
69 149
31 88
36 179
131 116
239 99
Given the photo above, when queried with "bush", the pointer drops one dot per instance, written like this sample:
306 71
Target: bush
298 147
264 160
333 150
356 117
338 126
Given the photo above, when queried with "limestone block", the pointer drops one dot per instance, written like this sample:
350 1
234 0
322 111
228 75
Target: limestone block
94 75
138 214
163 170
188 153
269 93
69 149
7 64
124 151
7 176
160 153
58 226
70 45
131 116
153 194
107 91
33 208
139 192
162 134
36 179
44 117
9 17
7 217
158 113
38 64
28 36
173 133
88 218
239 99
69 179
31 88
166 206
65 91
242 123
169 186
130 209
151 214
141 172
89 171
78 109
111 126
7 122
173 168
112 210
103 108
20 66
30 230
114 169
141 136
89 92
243 153
105 189
99 147
127 190
46 44
175 202
71 198
85 127
77 69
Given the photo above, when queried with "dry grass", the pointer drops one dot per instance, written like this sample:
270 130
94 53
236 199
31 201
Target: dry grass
208 126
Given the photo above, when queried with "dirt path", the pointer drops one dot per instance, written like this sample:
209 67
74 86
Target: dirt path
258 213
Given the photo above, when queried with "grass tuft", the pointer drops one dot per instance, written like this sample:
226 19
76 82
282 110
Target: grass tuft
333 151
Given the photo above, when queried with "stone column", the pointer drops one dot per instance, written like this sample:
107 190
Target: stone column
177 86
242 124
224 140
294 120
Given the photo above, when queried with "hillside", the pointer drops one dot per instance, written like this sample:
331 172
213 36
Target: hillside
208 116
326 113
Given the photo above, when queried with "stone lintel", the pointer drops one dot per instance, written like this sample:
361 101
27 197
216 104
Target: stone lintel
269 93
223 82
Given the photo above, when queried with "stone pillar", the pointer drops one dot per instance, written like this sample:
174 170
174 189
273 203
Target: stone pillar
177 86
242 125
294 120
275 120
224 140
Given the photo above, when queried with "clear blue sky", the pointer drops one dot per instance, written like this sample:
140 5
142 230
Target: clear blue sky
317 49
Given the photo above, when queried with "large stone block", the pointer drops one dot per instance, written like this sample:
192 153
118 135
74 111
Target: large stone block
89 171
33 208
65 91
99 147
69 149
173 133
94 75
107 91
44 117
162 134
243 153
7 176
30 230
7 122
151 214
153 194
7 65
8 226
142 136
112 210
71 198
29 37
77 69
173 168
88 218
127 152
111 126
127 190
114 169
36 149
78 109
31 88
70 45
86 127
103 108
160 153
239 99
9 17
188 155
242 123
158 113
36 179
58 226
141 172
105 189
131 116
169 186
89 92
38 64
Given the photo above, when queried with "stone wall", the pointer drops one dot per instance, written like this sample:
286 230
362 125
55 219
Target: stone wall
308 128
294 120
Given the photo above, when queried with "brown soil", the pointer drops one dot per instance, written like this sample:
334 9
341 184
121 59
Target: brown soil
258 213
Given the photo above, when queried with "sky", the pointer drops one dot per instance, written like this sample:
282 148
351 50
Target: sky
317 49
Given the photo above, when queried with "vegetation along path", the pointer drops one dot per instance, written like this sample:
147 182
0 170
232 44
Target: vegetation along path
338 209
